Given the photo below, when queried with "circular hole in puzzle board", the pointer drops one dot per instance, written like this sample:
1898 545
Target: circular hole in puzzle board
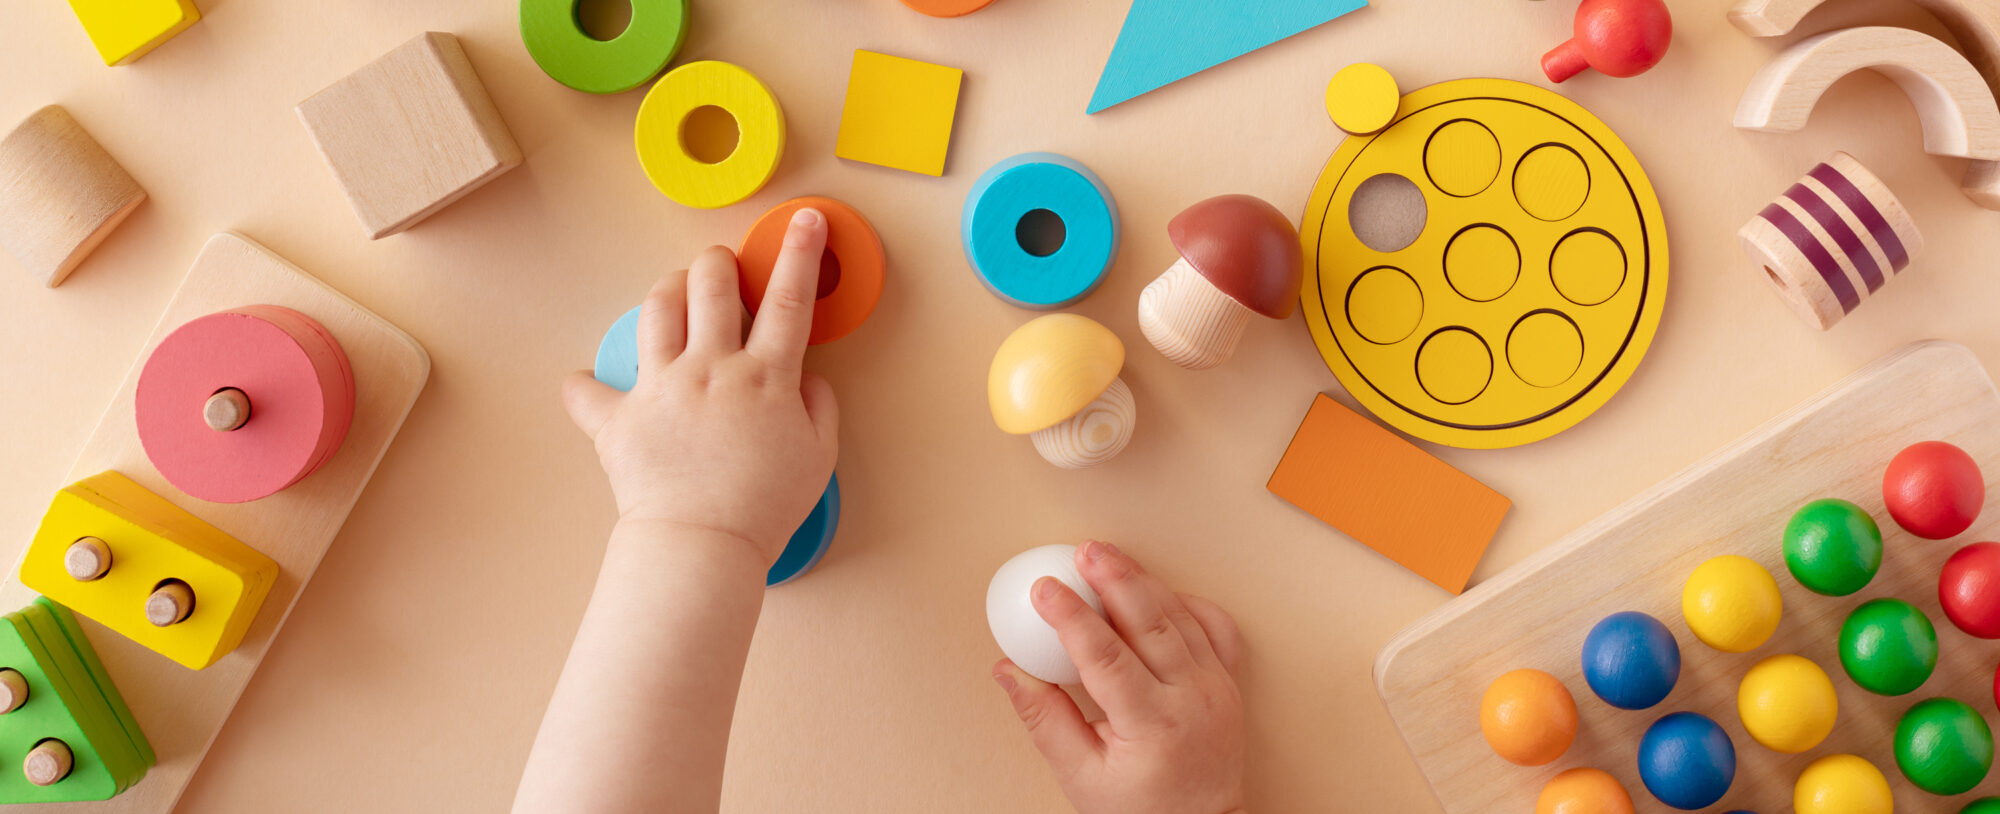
1545 348
1387 212
1551 182
1462 157
1482 262
1454 365
1384 305
1588 266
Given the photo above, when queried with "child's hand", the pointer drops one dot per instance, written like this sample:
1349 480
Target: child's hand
1163 669
720 436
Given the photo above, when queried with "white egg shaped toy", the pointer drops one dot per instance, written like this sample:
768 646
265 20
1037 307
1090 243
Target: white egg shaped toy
1019 630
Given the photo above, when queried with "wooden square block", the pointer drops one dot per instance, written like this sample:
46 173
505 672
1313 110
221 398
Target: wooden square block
409 133
150 541
60 194
898 113
1386 493
124 30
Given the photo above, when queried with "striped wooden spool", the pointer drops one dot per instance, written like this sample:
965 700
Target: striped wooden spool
1831 240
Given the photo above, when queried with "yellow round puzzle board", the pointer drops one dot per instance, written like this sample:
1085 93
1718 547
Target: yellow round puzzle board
1530 293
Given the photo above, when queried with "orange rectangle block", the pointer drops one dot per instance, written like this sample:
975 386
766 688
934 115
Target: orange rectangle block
1386 493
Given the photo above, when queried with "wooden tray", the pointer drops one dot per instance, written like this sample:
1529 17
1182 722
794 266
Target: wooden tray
182 710
1638 556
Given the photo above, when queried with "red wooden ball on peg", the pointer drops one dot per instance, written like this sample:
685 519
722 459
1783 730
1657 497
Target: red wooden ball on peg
1617 37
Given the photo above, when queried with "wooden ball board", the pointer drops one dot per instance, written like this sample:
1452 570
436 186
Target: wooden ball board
1532 288
182 710
1638 556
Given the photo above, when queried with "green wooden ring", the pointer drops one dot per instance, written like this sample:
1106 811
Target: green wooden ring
568 55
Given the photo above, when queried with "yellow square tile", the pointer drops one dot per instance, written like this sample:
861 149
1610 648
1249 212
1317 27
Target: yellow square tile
124 30
898 113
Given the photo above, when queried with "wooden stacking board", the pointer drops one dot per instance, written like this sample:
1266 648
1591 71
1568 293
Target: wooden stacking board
1638 556
182 710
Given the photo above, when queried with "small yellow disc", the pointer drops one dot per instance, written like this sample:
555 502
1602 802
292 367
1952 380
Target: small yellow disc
1732 604
663 149
1362 98
1787 703
1842 784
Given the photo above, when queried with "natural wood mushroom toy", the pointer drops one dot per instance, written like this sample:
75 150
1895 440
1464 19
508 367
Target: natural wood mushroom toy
1055 379
1239 255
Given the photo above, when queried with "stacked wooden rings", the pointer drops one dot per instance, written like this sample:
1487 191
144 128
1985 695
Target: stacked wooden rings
851 277
238 405
1013 190
569 55
1831 240
664 155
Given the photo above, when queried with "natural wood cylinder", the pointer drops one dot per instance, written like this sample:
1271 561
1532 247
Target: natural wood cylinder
1096 434
13 690
61 194
1831 240
227 410
1190 320
87 559
170 604
47 763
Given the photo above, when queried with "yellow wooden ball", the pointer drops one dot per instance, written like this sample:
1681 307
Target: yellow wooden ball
1842 784
1787 704
1732 604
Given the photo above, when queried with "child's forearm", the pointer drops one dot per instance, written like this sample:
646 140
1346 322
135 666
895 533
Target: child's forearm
640 718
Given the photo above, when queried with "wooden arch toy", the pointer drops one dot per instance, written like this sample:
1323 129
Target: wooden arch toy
1954 102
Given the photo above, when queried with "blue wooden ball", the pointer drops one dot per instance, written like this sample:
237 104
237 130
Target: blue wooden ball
1687 761
1631 660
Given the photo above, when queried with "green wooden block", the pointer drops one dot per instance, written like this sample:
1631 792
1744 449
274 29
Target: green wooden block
127 761
558 44
47 714
66 621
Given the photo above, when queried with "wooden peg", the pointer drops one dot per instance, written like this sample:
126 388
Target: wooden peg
13 690
87 559
227 410
1831 240
48 763
170 603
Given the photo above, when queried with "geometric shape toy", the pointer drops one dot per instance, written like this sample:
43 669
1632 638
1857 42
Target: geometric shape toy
663 151
1163 41
570 55
998 210
65 707
1831 240
61 194
898 113
125 30
1533 288
851 272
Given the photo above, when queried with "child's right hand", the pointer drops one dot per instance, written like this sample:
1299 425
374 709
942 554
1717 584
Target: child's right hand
1163 668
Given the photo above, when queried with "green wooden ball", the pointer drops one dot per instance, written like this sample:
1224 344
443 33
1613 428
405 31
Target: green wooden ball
1943 746
1833 547
1983 805
1888 647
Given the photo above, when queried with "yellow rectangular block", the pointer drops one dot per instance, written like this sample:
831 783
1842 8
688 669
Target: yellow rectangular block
124 30
151 541
898 113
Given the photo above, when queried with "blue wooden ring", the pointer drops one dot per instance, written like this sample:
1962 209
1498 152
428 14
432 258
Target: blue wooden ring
1008 192
618 366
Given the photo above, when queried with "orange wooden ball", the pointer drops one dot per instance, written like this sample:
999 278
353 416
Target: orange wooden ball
1584 791
1529 717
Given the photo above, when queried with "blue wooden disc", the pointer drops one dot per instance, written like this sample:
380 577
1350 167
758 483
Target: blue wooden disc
618 366
1012 189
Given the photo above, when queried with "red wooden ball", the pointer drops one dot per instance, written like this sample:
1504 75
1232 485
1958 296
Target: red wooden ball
1934 490
1969 590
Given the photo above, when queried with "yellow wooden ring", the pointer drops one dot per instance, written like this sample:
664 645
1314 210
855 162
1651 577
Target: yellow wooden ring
760 140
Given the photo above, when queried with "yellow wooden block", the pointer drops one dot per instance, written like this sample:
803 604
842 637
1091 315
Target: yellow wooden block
151 541
898 113
661 138
124 30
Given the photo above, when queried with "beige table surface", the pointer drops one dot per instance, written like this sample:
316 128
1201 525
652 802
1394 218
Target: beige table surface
414 671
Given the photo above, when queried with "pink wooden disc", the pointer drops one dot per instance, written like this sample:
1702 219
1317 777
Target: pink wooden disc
301 392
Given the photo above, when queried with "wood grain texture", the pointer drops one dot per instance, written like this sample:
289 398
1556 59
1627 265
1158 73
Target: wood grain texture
182 710
61 194
1189 320
1953 101
408 134
1097 433
1638 556
1831 240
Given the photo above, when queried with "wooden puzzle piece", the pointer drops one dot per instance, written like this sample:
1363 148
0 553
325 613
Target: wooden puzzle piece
61 194
54 623
60 707
1831 240
125 30
686 178
999 213
183 710
570 55
1388 495
410 133
851 274
151 541
898 113
1164 41
124 749
1954 103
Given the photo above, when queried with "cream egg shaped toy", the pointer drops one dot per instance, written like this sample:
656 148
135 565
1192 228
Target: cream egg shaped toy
1027 640
1055 379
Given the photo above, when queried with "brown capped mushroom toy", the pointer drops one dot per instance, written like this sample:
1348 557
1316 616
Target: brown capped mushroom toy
1238 255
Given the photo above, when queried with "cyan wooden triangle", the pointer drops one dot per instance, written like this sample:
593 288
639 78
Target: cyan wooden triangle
1164 41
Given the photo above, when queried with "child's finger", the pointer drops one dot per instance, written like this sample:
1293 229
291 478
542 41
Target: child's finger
715 309
1112 673
1221 629
1054 723
784 318
588 401
821 407
1133 604
663 320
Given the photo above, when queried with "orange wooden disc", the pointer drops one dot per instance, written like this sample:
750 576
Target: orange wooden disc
947 8
846 296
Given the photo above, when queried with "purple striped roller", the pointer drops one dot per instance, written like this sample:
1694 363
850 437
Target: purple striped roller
1831 240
